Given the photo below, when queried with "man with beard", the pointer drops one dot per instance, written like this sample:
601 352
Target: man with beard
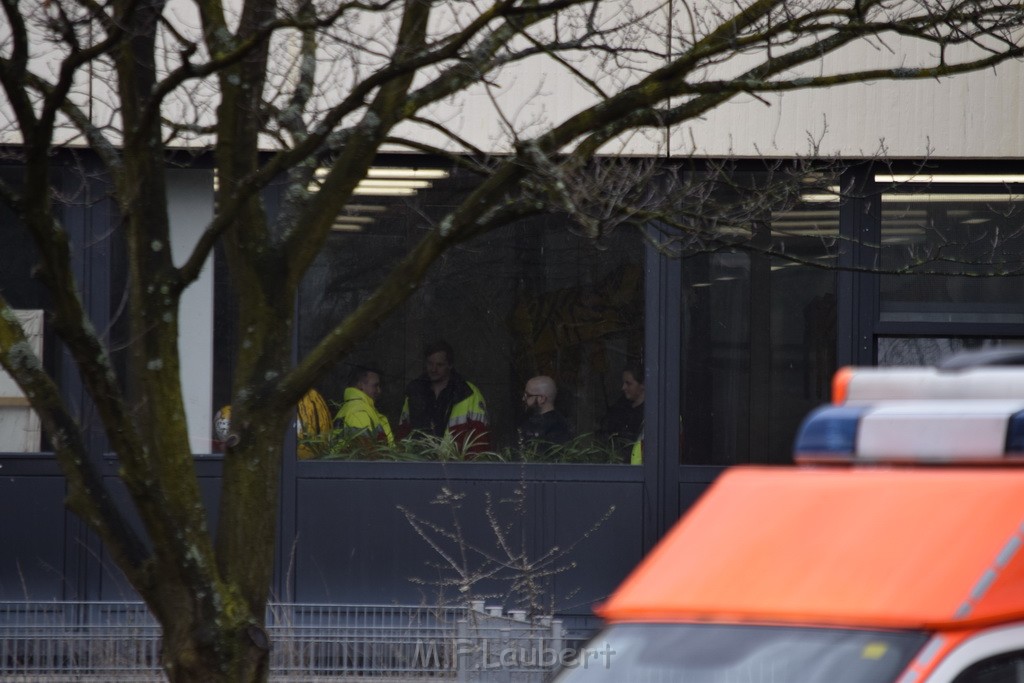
441 401
544 426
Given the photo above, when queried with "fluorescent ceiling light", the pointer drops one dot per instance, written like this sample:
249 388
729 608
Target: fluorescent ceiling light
733 231
797 213
395 182
950 178
397 173
808 232
810 222
426 173
833 214
821 198
928 197
346 227
385 191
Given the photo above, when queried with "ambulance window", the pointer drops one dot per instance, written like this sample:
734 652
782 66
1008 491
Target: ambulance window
1005 668
713 653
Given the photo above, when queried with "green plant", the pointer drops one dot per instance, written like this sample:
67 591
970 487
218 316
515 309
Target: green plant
342 444
585 448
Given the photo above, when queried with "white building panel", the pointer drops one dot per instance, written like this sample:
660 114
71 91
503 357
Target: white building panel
190 196
968 116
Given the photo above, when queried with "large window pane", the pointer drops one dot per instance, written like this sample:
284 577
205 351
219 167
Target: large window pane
529 299
19 426
945 239
759 337
922 351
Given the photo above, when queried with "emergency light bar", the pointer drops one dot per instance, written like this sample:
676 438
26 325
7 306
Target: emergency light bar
974 415
855 385
919 431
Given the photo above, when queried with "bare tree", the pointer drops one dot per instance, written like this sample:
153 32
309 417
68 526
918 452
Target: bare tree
322 86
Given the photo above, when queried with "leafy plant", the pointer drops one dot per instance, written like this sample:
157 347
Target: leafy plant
341 444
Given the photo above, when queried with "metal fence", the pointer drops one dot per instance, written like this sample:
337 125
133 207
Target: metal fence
120 641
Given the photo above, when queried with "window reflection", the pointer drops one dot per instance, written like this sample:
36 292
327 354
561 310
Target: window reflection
923 351
527 301
759 337
20 430
944 239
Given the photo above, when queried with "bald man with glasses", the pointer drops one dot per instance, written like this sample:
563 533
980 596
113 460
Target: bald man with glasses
543 427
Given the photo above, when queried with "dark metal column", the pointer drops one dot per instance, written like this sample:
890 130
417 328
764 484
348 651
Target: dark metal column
662 321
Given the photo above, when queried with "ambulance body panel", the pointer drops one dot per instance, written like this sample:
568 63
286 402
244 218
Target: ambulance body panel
893 552
893 548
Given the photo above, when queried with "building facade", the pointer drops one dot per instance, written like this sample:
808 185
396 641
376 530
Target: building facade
738 344
901 240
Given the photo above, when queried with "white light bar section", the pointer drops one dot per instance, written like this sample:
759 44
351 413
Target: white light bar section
867 385
937 430
950 178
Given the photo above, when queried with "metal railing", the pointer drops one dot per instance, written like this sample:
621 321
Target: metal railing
110 641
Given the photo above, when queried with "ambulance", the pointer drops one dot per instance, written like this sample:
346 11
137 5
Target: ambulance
890 553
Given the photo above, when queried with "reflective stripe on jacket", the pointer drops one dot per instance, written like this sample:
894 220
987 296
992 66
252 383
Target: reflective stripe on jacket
466 413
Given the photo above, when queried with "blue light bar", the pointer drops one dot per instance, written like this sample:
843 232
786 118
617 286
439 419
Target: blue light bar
830 431
1015 433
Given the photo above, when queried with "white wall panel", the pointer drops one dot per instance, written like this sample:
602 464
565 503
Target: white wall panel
978 115
973 116
190 195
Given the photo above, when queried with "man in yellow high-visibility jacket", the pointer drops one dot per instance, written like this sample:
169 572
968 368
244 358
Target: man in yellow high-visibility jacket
359 417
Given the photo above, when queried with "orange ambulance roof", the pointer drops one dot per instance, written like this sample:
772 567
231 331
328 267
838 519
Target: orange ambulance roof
886 548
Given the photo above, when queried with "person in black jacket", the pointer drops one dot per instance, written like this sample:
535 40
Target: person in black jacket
544 426
441 401
624 422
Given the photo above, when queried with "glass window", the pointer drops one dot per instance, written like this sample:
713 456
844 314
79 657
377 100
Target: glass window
1005 668
19 426
710 653
532 299
944 239
921 351
759 336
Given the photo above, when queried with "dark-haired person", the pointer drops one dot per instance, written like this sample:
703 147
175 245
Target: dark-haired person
624 422
441 401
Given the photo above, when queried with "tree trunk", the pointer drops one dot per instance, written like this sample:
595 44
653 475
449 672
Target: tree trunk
204 653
